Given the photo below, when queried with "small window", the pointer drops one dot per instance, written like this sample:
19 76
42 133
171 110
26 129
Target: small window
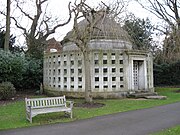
72 86
80 79
113 61
72 79
96 79
72 71
54 85
65 63
64 56
105 86
97 86
80 71
59 71
72 62
96 70
54 56
59 56
80 86
120 61
105 79
113 86
96 62
54 79
65 79
105 70
105 54
121 79
104 61
121 70
113 78
59 79
113 54
79 62
59 86
65 86
121 86
59 63
54 71
50 72
65 71
113 70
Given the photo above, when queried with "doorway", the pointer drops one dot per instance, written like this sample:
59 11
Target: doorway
138 75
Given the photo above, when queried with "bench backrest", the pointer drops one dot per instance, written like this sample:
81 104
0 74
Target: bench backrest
46 102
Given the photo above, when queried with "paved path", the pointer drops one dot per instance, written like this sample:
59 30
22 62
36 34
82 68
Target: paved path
140 122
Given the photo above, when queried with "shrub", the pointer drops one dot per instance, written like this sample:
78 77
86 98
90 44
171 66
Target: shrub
23 71
167 74
11 67
7 90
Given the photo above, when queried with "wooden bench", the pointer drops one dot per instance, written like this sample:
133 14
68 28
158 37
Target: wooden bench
37 106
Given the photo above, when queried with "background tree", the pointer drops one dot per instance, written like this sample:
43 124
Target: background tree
140 31
40 25
168 11
12 47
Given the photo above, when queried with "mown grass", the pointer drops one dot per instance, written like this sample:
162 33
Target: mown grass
170 131
13 115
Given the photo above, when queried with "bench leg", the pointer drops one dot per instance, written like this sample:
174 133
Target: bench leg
71 114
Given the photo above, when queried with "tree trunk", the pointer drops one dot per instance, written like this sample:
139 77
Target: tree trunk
7 35
87 71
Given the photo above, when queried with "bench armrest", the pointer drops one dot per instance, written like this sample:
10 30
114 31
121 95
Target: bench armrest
70 103
28 108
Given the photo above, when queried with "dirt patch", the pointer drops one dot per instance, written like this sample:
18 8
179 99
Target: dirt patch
177 91
20 96
89 105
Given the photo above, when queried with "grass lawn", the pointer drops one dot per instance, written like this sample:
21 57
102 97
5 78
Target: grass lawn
171 131
13 115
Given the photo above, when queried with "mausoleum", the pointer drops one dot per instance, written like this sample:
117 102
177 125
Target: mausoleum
116 68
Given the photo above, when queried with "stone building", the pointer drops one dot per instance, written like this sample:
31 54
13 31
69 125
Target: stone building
116 69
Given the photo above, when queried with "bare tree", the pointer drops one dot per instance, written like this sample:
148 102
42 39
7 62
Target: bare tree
40 26
7 35
169 12
82 33
82 37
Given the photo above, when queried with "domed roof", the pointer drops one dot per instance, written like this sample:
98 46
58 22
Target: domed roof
105 28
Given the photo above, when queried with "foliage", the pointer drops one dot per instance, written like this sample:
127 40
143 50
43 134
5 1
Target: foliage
11 67
140 31
7 90
170 131
32 77
23 72
168 13
13 115
13 48
167 74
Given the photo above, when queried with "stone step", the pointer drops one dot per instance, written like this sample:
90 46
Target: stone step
156 97
141 94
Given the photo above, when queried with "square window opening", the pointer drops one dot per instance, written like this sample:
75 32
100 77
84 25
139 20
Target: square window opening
105 79
96 79
104 61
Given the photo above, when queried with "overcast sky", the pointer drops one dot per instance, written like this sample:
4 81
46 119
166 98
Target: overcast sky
59 8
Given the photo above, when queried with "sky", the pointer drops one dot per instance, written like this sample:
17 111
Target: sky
133 7
59 8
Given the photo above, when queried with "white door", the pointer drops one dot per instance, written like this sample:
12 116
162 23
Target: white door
136 74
